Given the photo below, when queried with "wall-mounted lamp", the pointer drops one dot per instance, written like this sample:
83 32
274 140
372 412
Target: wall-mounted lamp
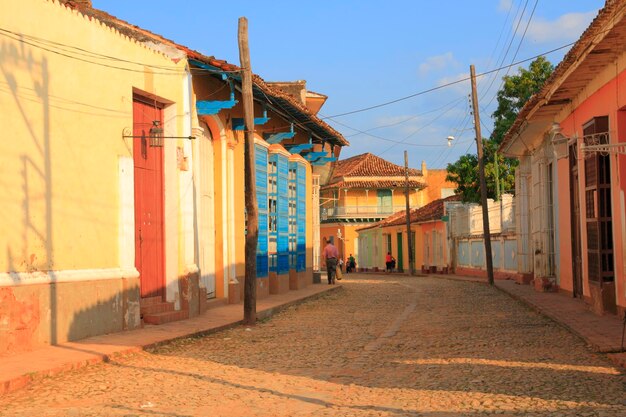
155 134
559 141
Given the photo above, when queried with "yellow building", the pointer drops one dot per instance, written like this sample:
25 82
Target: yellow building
365 189
123 193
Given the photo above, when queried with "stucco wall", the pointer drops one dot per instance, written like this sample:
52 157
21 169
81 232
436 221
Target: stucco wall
604 96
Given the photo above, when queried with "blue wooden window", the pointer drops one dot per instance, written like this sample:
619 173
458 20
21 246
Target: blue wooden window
260 156
301 217
282 216
272 221
293 227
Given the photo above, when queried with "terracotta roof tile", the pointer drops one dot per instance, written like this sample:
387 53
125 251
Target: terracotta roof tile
607 16
431 211
384 222
370 171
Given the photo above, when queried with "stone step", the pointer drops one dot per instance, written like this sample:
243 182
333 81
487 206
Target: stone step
150 300
165 317
156 308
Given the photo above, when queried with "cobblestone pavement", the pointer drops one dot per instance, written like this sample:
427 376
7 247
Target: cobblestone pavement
382 346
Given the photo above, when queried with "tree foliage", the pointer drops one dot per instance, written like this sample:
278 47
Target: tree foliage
515 92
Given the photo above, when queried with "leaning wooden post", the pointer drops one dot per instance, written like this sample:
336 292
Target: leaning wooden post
249 299
481 176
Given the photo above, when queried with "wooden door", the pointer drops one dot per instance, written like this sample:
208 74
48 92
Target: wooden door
599 218
148 171
577 276
400 265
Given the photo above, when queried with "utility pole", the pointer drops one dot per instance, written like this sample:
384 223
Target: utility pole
481 175
249 299
408 214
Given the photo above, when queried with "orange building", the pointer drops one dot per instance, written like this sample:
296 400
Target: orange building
365 189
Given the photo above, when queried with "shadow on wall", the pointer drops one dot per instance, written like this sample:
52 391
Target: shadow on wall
119 310
36 169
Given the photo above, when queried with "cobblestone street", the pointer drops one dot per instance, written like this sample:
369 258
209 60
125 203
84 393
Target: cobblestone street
382 346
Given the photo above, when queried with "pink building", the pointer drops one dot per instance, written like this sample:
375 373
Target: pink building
570 139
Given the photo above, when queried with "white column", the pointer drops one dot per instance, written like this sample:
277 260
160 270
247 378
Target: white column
232 272
186 186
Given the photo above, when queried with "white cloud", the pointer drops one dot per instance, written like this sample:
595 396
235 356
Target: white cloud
437 62
567 27
505 5
462 87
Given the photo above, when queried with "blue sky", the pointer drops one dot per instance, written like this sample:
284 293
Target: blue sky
364 53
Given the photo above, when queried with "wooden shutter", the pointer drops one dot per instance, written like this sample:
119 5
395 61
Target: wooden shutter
260 156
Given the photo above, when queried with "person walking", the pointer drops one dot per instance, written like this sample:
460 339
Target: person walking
389 262
351 264
330 255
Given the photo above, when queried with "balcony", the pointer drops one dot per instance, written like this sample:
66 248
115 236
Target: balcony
367 213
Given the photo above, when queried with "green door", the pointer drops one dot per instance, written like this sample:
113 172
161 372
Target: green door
399 258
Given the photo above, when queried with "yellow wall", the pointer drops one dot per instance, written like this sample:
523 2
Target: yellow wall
65 117
435 182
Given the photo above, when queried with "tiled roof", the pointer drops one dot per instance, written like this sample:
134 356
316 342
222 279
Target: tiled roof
431 211
600 44
370 171
368 164
384 222
261 90
375 183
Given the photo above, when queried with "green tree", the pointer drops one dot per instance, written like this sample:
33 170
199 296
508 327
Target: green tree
515 92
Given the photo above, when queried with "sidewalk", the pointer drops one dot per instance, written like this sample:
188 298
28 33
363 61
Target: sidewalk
603 334
17 371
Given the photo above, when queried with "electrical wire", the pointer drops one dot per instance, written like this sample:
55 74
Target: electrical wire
516 51
409 118
429 90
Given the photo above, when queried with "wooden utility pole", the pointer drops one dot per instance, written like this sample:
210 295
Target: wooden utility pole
249 299
408 214
481 175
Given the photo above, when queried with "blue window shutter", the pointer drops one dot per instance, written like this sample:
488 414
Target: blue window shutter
260 156
301 217
282 247
272 193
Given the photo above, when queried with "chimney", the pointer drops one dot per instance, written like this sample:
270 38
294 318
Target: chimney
424 170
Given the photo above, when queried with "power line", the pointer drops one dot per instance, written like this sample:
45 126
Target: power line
503 57
409 118
429 90
516 51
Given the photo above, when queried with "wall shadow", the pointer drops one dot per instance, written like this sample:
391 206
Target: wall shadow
37 165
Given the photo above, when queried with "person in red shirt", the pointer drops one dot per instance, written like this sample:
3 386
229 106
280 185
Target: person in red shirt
390 261
330 255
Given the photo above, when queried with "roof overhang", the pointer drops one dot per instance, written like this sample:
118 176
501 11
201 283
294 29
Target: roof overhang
599 46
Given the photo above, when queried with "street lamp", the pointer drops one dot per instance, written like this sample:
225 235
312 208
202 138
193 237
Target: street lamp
559 141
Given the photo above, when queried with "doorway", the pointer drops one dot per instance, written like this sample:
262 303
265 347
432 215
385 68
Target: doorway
148 172
400 265
577 277
206 238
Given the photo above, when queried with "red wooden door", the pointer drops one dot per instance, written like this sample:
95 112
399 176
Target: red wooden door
148 161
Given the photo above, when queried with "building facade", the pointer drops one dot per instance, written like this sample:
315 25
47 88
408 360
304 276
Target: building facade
124 200
570 140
